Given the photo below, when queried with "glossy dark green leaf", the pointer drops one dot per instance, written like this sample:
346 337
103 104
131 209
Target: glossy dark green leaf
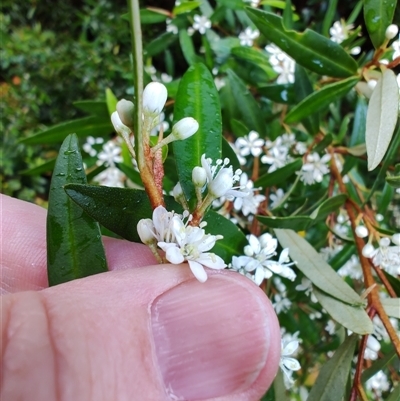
238 128
330 15
198 98
99 108
331 381
92 125
328 206
288 15
352 317
118 209
310 49
160 44
320 99
378 15
297 223
74 246
131 173
279 93
360 120
256 57
247 108
227 151
278 176
43 168
234 240
321 146
311 263
302 89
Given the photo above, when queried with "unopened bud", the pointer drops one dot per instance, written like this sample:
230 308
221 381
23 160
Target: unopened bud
368 251
391 31
185 128
373 344
396 239
125 112
199 177
361 231
154 97
177 192
222 183
119 126
145 229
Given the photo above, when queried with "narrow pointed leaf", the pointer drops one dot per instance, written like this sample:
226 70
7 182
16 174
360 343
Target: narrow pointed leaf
377 366
352 317
320 99
311 263
98 108
382 116
279 93
92 125
331 381
198 98
118 209
378 15
43 168
74 246
310 49
278 176
298 223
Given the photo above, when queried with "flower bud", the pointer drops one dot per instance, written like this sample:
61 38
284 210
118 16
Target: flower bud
154 97
185 128
125 112
368 251
119 126
373 344
222 183
145 229
199 177
391 31
361 231
396 239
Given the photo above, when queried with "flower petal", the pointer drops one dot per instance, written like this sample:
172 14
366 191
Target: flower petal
198 271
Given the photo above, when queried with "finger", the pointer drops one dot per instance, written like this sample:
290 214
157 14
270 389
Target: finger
23 253
151 333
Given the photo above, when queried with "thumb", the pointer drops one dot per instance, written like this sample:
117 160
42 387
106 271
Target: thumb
149 333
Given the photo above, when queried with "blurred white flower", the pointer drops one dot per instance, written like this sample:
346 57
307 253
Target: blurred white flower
110 177
250 144
201 23
340 32
314 169
372 348
306 286
378 383
90 142
248 36
276 198
171 27
281 63
396 48
287 363
281 303
248 204
387 256
109 155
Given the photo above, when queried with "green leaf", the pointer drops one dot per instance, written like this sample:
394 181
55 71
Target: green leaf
227 151
378 15
131 173
187 47
185 7
377 366
248 109
298 223
382 114
394 282
74 246
288 15
395 394
312 265
118 209
111 101
320 99
160 43
352 317
278 176
86 126
198 98
99 108
359 124
391 306
303 88
328 206
331 381
329 17
238 128
234 240
256 57
279 387
38 170
310 49
326 141
152 16
279 93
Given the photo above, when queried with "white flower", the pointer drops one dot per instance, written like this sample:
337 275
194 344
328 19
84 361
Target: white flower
110 154
352 268
248 204
276 198
339 32
154 97
248 36
191 244
278 152
287 363
201 23
281 63
257 258
372 348
331 327
378 383
396 48
110 177
88 145
281 303
171 27
387 257
250 144
314 169
220 179
306 286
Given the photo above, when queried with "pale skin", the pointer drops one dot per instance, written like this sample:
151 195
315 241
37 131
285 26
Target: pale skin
100 338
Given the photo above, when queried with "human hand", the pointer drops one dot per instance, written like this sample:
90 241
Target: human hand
138 332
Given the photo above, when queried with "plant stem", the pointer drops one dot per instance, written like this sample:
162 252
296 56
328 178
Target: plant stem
143 149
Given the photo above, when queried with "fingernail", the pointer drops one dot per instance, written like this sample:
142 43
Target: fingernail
211 339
